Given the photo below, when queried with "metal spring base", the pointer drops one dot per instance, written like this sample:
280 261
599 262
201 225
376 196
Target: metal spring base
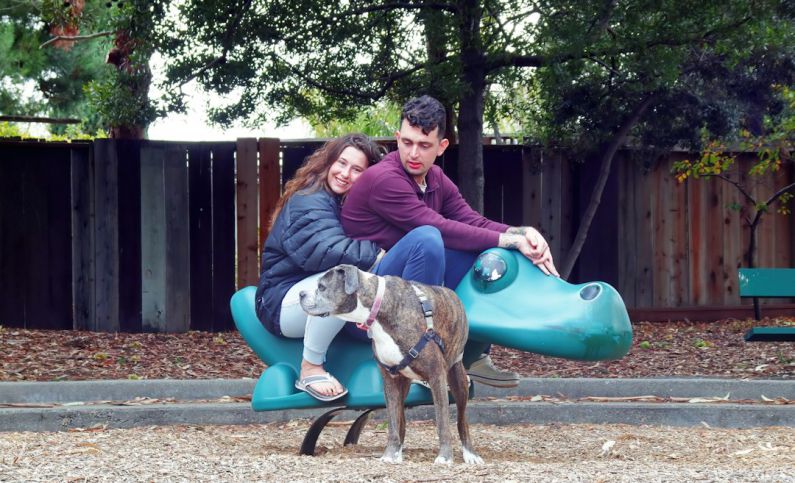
352 437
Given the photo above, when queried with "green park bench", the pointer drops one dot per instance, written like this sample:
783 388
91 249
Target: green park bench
768 282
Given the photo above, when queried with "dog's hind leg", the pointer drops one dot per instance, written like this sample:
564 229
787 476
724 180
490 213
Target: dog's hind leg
405 385
395 389
460 389
441 405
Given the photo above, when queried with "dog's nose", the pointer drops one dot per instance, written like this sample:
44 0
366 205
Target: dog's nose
302 294
590 292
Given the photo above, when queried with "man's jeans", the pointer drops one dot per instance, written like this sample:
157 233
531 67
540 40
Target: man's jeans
420 256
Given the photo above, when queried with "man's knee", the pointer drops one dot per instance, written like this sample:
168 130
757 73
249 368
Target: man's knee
429 238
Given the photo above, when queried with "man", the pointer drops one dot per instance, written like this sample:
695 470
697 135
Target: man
406 190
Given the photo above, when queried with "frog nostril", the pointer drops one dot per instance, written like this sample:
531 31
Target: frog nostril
590 292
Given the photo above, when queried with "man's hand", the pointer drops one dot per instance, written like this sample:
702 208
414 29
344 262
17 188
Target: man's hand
533 246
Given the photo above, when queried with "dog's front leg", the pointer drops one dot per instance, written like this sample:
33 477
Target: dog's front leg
441 405
394 395
460 389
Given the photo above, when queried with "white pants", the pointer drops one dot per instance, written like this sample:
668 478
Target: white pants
317 332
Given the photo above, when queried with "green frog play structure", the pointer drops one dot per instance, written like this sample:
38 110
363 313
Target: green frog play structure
508 302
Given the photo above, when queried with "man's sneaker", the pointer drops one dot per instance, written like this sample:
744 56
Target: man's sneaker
484 372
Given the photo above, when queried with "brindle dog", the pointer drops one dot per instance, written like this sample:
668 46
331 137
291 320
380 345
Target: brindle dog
400 322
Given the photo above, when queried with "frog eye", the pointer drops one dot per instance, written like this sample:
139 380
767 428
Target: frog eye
489 267
494 270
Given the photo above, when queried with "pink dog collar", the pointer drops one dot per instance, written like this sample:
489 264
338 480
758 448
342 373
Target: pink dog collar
379 297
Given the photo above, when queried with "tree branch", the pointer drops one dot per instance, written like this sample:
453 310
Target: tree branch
737 185
44 120
601 181
501 26
77 37
600 23
372 95
402 5
541 60
778 193
231 29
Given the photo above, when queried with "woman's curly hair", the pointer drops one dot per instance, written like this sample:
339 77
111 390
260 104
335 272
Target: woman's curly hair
311 176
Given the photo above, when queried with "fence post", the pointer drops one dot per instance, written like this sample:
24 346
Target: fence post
247 270
82 185
269 184
106 236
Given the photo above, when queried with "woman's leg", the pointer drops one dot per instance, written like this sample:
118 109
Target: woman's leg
317 332
418 256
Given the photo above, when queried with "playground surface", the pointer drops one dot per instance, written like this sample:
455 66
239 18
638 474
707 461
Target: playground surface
659 349
520 452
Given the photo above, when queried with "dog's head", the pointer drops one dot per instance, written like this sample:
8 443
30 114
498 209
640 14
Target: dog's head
335 293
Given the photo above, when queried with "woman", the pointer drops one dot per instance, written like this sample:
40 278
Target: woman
305 240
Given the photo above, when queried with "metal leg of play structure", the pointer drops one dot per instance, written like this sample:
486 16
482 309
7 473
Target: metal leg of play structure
356 428
310 438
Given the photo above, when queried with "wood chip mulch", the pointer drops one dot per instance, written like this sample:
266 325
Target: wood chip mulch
521 452
517 452
659 349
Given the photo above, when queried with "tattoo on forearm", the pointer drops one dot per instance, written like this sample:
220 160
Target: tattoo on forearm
517 230
510 242
513 244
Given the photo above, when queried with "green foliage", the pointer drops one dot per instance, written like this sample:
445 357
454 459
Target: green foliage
774 146
48 81
711 82
74 80
595 59
8 130
378 120
701 343
119 104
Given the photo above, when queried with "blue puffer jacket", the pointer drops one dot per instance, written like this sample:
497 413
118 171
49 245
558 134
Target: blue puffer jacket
307 238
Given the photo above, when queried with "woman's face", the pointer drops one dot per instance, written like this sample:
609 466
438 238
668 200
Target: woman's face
344 171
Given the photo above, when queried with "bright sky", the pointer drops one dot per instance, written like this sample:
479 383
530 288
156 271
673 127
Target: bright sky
194 125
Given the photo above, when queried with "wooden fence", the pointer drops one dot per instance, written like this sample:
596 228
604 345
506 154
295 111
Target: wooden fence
156 236
661 243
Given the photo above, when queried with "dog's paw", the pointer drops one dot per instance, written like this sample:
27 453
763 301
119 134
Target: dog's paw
394 458
443 460
471 458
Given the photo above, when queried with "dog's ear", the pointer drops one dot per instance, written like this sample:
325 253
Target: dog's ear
351 274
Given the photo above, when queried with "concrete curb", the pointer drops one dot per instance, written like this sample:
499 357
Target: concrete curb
484 412
663 387
122 390
500 411
185 390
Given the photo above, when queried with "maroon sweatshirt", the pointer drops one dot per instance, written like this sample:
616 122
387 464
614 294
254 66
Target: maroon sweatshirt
385 203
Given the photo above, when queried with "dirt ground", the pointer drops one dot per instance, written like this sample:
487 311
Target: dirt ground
659 349
592 453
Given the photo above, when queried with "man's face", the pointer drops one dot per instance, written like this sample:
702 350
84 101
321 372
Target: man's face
418 151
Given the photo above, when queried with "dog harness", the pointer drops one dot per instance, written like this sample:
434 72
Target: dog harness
427 336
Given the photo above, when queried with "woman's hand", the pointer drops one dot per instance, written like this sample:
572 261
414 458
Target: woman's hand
378 258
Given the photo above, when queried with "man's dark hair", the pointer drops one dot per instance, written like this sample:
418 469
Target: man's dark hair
426 113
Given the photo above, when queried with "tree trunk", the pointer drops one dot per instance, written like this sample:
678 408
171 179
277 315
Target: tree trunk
750 259
437 49
596 195
138 79
470 111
